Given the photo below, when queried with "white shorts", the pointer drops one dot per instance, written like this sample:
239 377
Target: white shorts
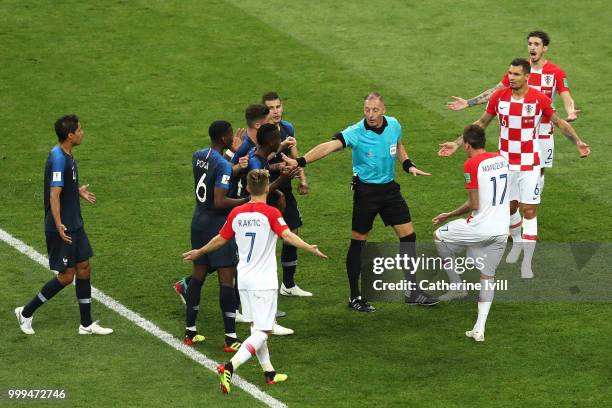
487 252
523 186
460 231
259 307
547 151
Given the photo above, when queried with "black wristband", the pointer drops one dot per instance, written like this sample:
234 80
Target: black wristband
301 161
407 164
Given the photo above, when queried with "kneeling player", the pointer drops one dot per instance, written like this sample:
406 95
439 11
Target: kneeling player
485 231
255 226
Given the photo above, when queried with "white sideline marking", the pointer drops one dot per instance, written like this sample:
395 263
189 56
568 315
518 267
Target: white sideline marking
147 325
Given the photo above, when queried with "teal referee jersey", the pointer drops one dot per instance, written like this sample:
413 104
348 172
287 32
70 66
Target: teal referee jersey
374 150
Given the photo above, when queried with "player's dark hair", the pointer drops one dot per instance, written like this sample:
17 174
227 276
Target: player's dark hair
521 62
253 113
269 96
266 133
474 135
541 35
218 129
65 125
257 181
374 95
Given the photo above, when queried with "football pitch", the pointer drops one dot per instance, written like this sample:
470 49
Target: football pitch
147 78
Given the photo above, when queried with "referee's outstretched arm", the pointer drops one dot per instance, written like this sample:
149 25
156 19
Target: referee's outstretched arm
316 153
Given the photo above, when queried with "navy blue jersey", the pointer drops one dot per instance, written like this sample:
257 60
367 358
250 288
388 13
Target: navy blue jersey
61 171
244 149
255 162
210 171
286 130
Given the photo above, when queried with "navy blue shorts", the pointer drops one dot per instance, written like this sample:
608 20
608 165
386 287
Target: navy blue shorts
63 255
202 232
291 215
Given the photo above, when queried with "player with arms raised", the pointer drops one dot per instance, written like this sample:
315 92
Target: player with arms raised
519 110
255 226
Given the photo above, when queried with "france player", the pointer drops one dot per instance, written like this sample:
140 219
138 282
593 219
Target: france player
291 214
212 174
67 243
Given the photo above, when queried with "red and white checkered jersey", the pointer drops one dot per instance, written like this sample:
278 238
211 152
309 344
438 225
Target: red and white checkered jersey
551 81
256 227
518 121
488 173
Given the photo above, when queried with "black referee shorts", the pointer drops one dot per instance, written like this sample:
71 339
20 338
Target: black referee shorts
384 199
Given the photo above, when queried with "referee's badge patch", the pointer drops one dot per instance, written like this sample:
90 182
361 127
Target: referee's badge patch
393 149
57 176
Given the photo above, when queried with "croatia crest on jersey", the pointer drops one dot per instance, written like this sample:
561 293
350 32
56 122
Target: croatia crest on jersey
548 80
529 109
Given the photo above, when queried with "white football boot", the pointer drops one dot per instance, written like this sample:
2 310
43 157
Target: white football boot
94 328
294 291
25 323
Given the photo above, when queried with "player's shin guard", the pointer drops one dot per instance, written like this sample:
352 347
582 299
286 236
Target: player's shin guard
83 294
408 247
289 263
516 222
249 348
227 301
484 303
49 290
193 301
530 237
446 253
353 266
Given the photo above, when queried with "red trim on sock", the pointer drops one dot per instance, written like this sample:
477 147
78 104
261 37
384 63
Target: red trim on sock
530 237
250 348
517 225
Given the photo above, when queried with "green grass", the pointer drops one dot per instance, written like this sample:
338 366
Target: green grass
148 77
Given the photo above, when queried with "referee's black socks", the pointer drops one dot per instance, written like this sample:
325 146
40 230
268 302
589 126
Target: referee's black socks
408 247
353 265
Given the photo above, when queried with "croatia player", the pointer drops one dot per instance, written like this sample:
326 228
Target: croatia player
549 79
485 231
519 109
255 227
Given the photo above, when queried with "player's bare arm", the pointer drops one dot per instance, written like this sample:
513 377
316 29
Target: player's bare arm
223 201
459 103
303 187
469 205
569 105
570 133
56 213
217 242
448 148
316 153
86 194
292 239
402 156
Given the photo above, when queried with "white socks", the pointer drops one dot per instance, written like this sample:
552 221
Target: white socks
249 348
484 304
516 223
263 355
530 237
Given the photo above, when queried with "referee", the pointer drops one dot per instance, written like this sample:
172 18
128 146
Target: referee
376 144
